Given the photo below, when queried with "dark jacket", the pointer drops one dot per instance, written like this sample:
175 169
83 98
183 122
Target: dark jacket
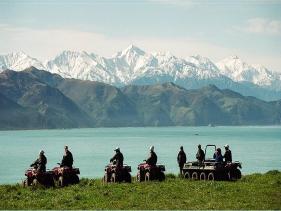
181 158
152 159
200 155
67 159
218 157
118 158
40 163
227 156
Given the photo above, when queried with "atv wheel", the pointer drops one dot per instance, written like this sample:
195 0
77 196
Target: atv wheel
161 176
75 179
202 176
139 177
61 181
234 175
51 182
147 177
211 176
25 183
106 178
35 183
113 178
194 176
128 178
187 175
238 174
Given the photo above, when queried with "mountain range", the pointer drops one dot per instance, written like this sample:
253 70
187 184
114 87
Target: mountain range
35 98
134 66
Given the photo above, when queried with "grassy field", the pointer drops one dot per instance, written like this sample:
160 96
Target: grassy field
256 191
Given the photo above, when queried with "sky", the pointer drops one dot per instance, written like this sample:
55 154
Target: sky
215 29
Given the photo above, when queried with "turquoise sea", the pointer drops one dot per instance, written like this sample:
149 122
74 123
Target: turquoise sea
258 148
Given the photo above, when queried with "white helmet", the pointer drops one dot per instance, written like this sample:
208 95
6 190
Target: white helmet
117 149
41 152
226 146
151 148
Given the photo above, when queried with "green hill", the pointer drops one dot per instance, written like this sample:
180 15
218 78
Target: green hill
55 109
256 191
56 102
11 111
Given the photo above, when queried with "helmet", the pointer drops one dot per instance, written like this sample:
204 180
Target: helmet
226 146
117 149
41 152
65 147
151 148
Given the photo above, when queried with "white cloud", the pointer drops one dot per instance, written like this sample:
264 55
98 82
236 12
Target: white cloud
262 26
47 43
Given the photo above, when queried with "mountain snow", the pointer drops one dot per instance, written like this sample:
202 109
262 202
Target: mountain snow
236 69
133 64
80 65
18 61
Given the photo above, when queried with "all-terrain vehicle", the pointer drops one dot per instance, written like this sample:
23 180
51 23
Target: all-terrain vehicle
65 175
35 178
211 170
112 173
148 172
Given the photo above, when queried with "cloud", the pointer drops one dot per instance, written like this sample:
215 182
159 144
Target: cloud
46 43
262 26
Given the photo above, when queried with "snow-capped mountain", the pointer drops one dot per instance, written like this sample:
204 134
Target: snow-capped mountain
80 65
238 70
19 61
135 66
130 65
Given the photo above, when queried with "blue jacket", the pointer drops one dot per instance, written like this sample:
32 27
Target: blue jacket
219 158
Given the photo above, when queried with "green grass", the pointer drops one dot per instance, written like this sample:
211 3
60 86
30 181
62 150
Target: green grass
256 191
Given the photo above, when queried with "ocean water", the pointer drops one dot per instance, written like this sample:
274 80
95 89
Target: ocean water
258 148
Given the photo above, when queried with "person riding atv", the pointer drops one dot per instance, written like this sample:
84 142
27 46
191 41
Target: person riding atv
212 168
227 155
200 155
40 163
116 171
38 174
118 158
65 174
149 170
218 156
67 159
152 159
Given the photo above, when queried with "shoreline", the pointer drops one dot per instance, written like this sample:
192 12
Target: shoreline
150 127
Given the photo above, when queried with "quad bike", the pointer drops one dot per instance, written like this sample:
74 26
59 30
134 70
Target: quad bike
211 170
148 172
35 178
64 175
113 173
